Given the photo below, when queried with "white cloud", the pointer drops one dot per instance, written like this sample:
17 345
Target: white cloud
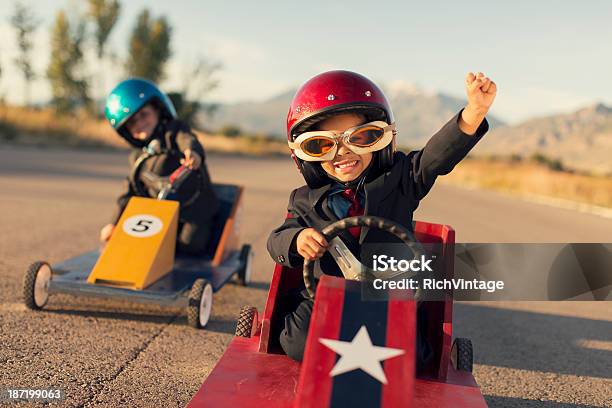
402 87
245 74
236 86
234 51
518 104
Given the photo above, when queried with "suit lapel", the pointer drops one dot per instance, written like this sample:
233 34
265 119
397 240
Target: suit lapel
375 192
315 194
328 211
311 217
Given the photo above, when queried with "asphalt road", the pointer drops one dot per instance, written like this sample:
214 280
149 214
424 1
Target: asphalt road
114 354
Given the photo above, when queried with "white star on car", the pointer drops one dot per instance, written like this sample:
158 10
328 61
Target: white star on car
360 353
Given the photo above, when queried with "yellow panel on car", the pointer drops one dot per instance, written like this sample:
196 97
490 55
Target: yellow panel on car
141 249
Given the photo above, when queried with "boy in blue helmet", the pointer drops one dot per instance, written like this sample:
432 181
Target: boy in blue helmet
145 117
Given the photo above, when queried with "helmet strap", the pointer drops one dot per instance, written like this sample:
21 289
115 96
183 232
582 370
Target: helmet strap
313 174
385 157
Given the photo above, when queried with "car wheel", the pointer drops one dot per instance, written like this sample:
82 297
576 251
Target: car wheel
462 354
36 285
247 322
200 303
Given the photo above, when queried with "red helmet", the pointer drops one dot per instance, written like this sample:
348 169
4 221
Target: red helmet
327 94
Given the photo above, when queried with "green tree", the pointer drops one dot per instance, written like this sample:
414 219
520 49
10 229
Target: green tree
551 163
1 94
199 81
149 47
24 22
104 14
230 131
1 89
69 87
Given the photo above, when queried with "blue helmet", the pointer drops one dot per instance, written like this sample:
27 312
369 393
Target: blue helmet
129 97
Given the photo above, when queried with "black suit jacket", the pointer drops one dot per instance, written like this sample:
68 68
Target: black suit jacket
394 195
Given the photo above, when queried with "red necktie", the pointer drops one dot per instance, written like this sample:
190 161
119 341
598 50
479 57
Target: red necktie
354 210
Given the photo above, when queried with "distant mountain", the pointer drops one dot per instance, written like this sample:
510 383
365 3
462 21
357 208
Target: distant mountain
266 117
418 114
581 140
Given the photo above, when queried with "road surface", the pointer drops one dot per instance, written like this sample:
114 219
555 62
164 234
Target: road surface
113 354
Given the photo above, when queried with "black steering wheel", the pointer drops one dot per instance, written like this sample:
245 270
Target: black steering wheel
350 266
163 187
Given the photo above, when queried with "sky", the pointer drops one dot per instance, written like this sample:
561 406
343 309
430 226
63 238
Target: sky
546 56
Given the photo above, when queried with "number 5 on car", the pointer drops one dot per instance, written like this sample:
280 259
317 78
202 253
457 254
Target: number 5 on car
141 249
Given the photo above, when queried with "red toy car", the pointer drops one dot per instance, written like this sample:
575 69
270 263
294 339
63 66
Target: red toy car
374 366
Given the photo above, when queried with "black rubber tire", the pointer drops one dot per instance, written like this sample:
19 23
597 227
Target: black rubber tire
245 253
463 353
193 306
29 280
246 321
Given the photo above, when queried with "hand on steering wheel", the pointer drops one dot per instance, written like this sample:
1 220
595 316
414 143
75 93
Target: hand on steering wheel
164 187
348 264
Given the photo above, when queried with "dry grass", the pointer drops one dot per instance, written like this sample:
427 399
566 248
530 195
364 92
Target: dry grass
528 178
44 127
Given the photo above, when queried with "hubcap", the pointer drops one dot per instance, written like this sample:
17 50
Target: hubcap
41 285
206 304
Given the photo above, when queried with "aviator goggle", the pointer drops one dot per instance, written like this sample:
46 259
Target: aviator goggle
322 145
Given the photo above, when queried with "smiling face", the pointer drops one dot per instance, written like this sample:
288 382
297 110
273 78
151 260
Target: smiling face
346 166
142 124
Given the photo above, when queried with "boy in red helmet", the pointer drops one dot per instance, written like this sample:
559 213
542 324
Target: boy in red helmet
341 131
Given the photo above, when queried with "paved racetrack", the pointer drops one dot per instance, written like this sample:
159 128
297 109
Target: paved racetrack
103 353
